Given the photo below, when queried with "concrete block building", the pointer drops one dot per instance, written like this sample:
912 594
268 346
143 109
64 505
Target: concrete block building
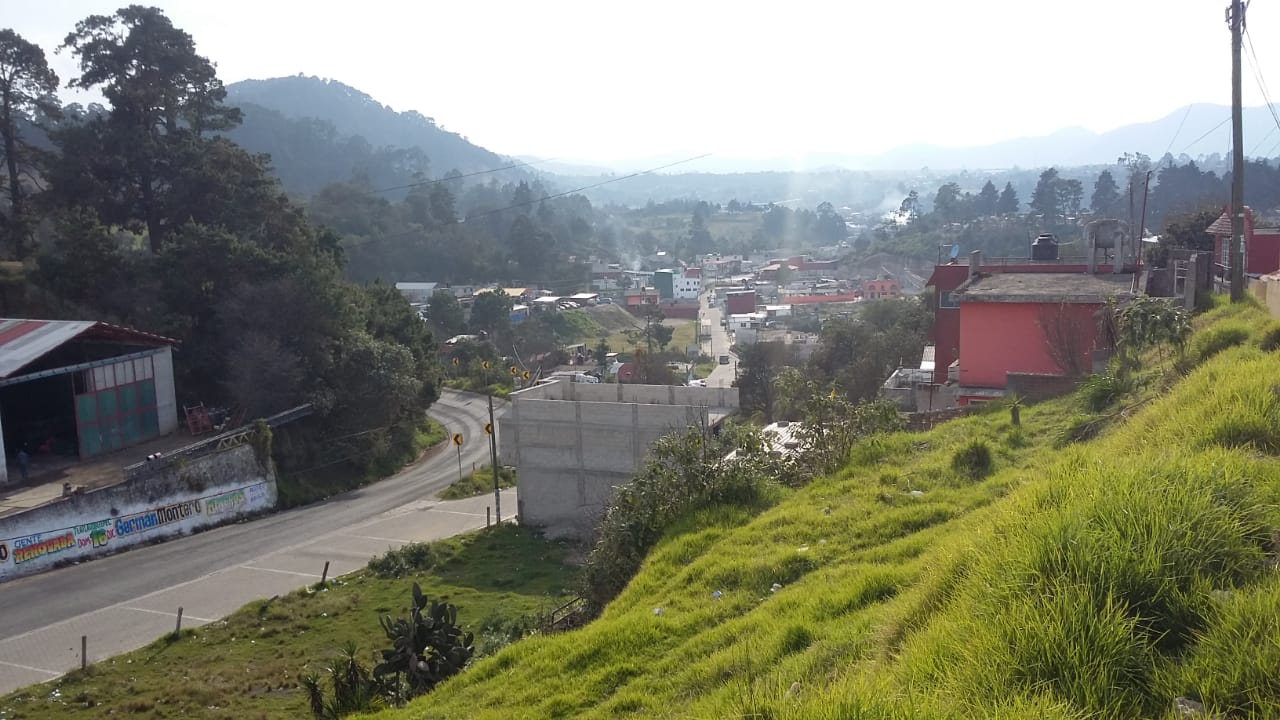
572 443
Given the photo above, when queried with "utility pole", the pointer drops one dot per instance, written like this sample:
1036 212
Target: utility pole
493 457
1235 16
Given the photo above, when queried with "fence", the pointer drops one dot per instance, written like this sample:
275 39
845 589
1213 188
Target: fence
222 441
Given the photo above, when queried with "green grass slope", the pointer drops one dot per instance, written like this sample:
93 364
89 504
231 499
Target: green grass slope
1104 579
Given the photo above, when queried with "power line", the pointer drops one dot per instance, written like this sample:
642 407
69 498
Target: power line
1179 130
1257 76
1257 145
458 177
1225 120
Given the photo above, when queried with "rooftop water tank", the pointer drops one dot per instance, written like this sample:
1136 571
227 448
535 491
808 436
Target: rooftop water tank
1045 247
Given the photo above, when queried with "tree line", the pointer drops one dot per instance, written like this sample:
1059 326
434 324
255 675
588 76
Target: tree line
141 212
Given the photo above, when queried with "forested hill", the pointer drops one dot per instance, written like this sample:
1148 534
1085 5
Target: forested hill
321 131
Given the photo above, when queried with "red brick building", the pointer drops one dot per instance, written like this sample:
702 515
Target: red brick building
1261 245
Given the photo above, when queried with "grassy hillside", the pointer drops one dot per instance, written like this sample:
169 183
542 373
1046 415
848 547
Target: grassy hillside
248 665
1104 579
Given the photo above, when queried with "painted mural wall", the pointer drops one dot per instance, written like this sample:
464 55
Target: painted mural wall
200 493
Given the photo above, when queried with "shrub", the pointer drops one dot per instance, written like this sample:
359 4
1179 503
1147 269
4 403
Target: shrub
1269 338
408 559
973 461
1216 338
1080 429
1102 391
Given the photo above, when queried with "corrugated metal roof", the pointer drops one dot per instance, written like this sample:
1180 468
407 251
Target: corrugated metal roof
22 342
1221 226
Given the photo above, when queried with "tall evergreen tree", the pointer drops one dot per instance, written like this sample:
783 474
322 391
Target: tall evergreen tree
1008 203
1045 199
27 86
988 198
1105 200
163 97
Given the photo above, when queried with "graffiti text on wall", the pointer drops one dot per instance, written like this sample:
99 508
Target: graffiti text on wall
224 503
37 546
99 534
155 518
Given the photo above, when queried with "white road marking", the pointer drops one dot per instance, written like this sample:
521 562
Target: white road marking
172 615
282 572
32 669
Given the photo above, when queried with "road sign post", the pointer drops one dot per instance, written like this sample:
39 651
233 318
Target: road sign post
457 442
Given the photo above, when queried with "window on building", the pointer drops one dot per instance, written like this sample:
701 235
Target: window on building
948 300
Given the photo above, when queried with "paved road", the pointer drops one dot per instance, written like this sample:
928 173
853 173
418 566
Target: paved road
125 601
722 375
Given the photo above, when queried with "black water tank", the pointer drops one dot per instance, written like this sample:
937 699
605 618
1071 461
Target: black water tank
1045 248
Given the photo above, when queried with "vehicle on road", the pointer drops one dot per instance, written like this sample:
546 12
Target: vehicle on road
724 359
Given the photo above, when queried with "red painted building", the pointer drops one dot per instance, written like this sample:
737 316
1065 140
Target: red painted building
947 279
740 303
881 289
1261 245
1028 323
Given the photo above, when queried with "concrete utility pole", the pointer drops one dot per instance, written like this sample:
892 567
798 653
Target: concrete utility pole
1235 16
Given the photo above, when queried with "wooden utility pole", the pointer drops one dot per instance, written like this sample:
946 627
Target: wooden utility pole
493 455
1235 16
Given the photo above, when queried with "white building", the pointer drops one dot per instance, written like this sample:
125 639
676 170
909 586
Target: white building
417 292
686 288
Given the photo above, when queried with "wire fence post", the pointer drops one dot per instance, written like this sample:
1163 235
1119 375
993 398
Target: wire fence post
84 652
324 574
177 629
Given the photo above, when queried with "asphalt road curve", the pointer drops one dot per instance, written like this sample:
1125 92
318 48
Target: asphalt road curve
125 601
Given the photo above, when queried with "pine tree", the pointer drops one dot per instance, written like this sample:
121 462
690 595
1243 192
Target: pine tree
987 201
1008 203
1106 195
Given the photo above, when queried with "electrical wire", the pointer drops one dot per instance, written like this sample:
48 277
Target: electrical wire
1257 76
1179 130
457 177
1225 120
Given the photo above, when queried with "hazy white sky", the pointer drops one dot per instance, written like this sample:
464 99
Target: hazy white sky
605 80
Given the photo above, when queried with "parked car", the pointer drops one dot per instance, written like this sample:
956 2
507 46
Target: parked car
724 359
606 301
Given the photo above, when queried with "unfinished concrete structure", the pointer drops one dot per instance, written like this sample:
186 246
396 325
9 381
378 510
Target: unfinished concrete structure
572 443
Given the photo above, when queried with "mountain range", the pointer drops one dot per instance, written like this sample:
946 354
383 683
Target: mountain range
320 131
1193 130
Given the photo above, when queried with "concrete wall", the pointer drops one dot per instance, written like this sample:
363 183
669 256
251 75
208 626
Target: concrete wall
166 398
625 393
1034 387
572 443
202 492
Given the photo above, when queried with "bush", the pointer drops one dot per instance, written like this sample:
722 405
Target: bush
1269 338
1216 338
1100 392
406 560
973 461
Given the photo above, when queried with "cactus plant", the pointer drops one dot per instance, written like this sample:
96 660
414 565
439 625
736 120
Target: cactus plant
427 648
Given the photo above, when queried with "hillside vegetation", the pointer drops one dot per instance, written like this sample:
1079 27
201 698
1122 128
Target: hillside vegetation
979 570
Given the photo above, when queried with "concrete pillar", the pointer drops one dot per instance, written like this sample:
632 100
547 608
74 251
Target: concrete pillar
4 459
1090 249
1191 282
166 398
975 263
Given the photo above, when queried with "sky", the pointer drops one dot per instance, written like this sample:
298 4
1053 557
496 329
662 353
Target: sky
610 81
